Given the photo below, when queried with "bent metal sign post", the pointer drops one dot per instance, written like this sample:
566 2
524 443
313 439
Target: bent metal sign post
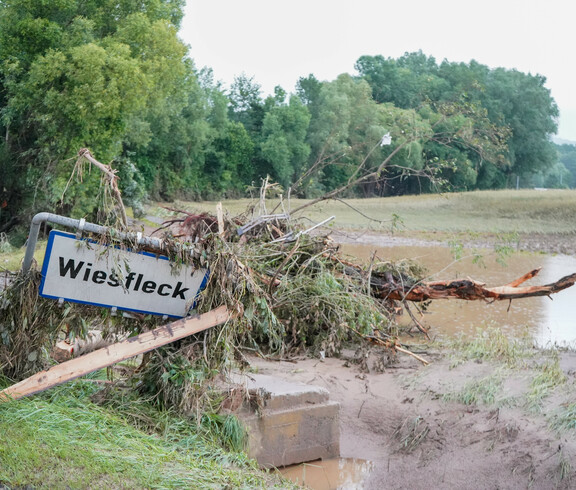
83 271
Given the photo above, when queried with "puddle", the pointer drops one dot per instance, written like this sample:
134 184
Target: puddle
330 474
547 321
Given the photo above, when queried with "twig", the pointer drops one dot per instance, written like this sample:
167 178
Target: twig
112 178
415 356
284 262
358 180
380 221
419 326
361 407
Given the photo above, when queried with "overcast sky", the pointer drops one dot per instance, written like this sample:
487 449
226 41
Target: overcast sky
278 42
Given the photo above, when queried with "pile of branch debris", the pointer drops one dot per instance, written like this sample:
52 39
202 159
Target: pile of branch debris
278 289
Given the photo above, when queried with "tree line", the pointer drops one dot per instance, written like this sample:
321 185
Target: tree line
113 76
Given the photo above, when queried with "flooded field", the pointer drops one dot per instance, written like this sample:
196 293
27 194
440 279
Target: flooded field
548 321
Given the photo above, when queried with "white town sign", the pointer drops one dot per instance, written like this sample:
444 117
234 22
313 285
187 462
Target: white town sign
83 271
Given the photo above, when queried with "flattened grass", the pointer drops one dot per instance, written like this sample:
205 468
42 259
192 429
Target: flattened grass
66 441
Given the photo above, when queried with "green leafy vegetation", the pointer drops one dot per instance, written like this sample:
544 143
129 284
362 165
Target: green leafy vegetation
565 419
483 391
547 377
491 345
65 440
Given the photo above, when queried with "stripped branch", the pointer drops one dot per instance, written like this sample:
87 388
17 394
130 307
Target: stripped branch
467 289
112 178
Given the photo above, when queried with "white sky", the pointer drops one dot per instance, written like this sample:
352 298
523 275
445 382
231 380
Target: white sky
279 42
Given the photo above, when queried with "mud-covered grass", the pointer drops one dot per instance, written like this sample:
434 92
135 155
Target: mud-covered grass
513 372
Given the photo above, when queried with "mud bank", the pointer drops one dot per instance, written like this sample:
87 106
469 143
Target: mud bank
407 421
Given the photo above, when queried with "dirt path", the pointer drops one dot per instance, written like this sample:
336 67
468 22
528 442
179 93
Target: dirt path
400 420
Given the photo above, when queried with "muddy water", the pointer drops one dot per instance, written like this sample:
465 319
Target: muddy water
329 474
547 321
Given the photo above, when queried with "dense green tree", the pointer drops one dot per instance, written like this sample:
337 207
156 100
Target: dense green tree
523 103
246 104
75 74
344 107
345 136
567 157
308 89
228 166
407 82
172 160
283 139
496 101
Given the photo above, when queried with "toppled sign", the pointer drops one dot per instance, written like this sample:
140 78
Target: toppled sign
84 271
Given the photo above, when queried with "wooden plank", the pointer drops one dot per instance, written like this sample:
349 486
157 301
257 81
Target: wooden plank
114 353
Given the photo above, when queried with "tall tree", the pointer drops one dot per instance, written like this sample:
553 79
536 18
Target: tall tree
497 101
81 73
228 166
522 102
345 135
407 82
283 140
246 104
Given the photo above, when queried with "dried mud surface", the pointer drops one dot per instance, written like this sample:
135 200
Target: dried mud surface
400 420
553 243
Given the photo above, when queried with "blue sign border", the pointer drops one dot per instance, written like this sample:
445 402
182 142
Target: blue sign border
47 256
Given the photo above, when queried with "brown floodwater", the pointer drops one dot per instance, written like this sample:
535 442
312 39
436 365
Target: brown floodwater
548 321
329 474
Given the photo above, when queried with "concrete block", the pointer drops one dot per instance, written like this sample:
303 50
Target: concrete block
287 423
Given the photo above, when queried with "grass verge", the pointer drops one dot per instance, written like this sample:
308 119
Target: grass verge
64 440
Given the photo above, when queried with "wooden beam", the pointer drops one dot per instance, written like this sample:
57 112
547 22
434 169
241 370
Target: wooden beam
114 353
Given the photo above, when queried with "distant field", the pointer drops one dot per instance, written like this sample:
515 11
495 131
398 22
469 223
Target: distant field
523 211
425 216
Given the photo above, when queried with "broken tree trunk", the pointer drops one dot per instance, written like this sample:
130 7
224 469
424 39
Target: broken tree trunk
115 353
385 288
65 350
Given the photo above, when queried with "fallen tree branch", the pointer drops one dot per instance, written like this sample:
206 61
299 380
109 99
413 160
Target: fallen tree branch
466 289
112 178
